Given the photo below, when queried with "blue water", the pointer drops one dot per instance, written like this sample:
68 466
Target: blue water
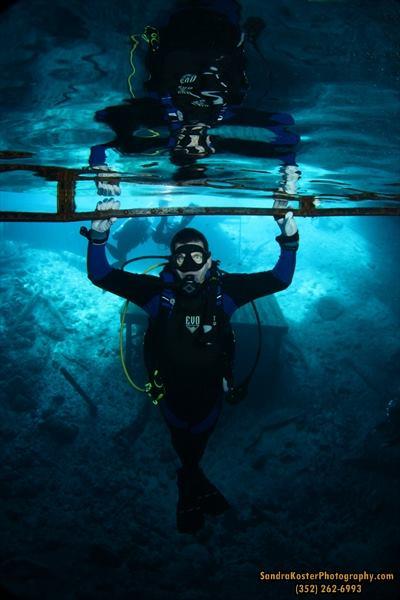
310 461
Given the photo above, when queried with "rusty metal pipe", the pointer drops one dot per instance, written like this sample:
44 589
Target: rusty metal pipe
304 211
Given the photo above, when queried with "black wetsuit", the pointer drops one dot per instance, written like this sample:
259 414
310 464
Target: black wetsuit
192 372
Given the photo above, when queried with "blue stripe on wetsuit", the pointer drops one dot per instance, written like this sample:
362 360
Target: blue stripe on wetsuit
97 264
284 268
204 425
229 305
152 307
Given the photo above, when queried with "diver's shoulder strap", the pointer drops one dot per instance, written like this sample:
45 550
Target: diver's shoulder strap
218 284
215 294
167 298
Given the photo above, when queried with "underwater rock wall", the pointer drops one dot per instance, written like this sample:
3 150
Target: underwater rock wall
88 496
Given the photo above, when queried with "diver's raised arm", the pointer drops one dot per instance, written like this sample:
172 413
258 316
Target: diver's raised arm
137 288
245 287
97 263
289 243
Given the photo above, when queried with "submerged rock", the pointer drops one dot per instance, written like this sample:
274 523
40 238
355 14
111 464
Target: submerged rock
7 434
8 253
393 362
259 463
56 402
59 430
17 385
22 403
329 308
104 556
21 568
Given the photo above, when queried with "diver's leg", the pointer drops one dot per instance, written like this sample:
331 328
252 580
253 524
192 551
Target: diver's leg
158 235
253 117
196 494
195 490
189 447
209 498
186 220
189 437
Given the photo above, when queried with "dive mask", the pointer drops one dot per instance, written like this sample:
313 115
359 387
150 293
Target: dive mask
189 257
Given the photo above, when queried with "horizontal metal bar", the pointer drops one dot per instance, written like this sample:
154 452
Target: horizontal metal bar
306 211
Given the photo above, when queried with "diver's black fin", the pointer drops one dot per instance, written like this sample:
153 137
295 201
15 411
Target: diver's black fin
209 498
189 517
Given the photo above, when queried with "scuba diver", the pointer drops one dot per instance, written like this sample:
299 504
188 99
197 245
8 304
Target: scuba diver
197 81
189 343
134 232
166 229
128 236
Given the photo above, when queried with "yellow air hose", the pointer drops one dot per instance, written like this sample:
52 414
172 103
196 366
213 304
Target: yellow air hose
147 386
150 36
135 44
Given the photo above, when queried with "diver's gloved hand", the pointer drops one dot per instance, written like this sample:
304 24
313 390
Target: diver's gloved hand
280 203
107 181
100 228
287 224
289 238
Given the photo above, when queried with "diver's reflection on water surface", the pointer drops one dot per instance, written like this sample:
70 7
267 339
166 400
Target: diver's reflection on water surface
196 90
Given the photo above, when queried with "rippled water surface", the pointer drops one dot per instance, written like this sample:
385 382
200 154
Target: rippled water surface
332 66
